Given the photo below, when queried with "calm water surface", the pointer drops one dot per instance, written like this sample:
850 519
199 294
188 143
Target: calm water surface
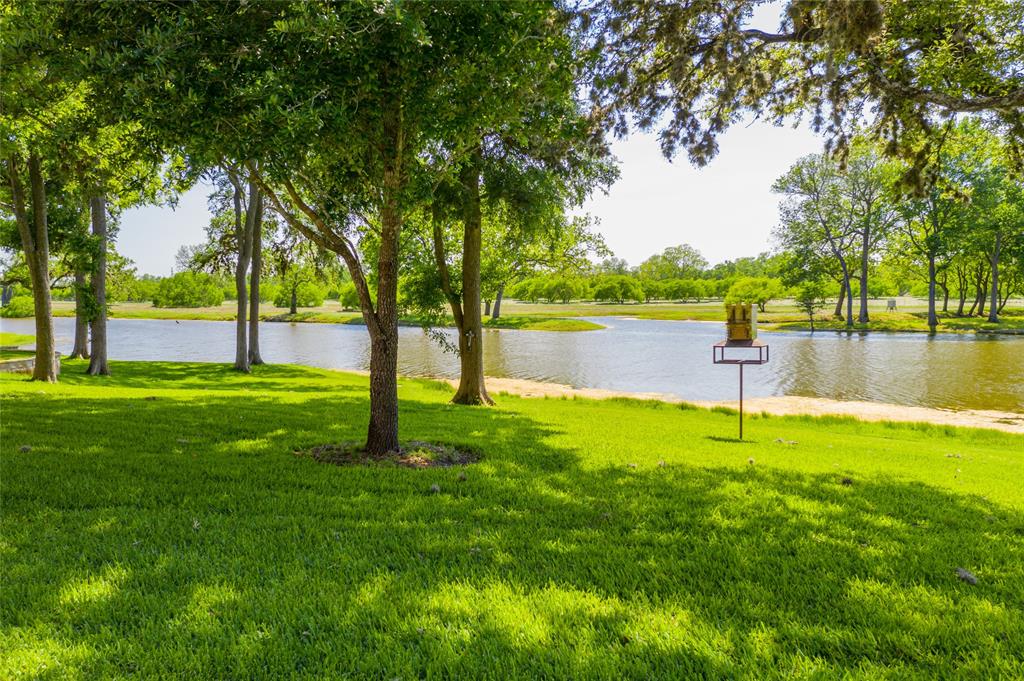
965 371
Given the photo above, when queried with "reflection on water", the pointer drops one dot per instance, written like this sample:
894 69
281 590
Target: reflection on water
964 371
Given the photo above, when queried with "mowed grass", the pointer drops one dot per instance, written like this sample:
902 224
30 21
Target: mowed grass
782 315
328 313
158 524
8 339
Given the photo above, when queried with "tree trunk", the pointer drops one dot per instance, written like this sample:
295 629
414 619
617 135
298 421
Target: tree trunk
838 314
993 307
471 388
944 285
243 238
961 279
496 311
98 361
254 284
81 348
487 307
849 292
382 433
294 304
864 253
933 320
35 241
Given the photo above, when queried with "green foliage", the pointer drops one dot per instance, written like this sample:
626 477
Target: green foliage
307 294
810 297
18 306
618 288
188 289
673 263
757 290
348 297
898 70
176 512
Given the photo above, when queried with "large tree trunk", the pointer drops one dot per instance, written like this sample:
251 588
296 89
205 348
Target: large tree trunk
98 361
487 307
496 312
382 433
933 320
865 252
471 388
254 284
81 347
293 307
35 242
993 307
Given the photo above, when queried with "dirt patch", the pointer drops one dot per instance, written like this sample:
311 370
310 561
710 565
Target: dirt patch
413 454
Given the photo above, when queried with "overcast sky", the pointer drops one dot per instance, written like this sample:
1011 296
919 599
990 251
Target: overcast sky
726 209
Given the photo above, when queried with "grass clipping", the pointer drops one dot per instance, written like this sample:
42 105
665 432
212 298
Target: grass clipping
413 454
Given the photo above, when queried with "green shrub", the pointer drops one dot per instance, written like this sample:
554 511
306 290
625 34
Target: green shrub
307 294
757 290
188 289
348 297
19 306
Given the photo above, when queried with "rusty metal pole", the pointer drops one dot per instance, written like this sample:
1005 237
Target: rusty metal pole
741 401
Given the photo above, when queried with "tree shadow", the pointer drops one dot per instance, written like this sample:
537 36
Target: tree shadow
182 537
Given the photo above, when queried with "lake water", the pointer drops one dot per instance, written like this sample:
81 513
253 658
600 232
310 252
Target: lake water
961 371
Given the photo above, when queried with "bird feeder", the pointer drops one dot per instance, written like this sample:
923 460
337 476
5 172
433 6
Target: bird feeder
740 346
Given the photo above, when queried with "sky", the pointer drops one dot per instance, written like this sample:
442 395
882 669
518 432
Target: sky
726 209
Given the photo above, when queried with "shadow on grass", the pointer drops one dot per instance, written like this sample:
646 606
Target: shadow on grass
183 537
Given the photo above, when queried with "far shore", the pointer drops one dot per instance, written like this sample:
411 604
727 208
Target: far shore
782 316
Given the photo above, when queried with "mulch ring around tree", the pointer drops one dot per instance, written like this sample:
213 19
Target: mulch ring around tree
413 454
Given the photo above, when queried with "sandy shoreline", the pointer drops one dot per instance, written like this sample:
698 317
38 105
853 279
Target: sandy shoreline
785 405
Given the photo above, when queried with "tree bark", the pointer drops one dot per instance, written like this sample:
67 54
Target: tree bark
254 283
933 320
471 388
993 307
944 285
81 347
838 314
98 360
487 307
243 237
35 241
961 279
382 433
496 311
293 307
865 251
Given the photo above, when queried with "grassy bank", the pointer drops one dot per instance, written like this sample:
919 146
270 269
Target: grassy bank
329 313
780 315
15 339
911 316
158 523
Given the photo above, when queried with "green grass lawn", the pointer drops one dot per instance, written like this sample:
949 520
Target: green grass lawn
8 339
158 523
328 313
